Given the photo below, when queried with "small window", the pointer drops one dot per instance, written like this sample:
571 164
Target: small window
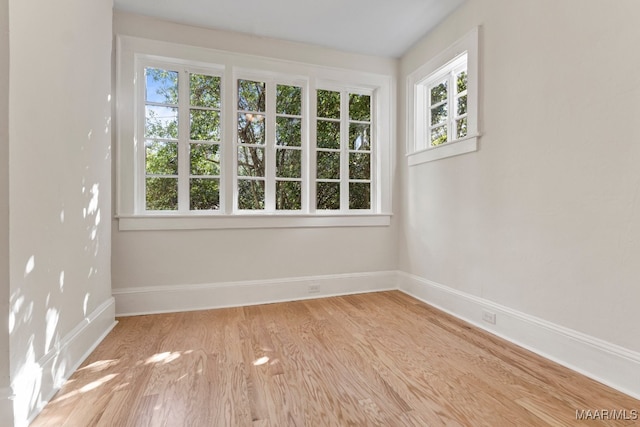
443 96
446 104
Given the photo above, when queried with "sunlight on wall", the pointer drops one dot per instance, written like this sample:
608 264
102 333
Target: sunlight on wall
31 264
85 303
27 384
52 323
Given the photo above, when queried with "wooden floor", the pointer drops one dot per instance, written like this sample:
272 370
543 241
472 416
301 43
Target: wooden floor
380 359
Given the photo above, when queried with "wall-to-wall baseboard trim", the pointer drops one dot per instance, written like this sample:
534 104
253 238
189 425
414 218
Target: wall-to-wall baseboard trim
166 299
55 367
604 362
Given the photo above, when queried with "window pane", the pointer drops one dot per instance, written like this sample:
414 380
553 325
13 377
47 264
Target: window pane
204 194
288 131
161 158
288 163
461 81
438 135
250 194
161 122
462 105
162 194
439 93
161 86
359 107
328 134
328 195
251 161
359 136
461 128
328 165
205 159
204 90
251 96
359 195
359 166
288 195
328 104
205 125
250 129
289 100
439 115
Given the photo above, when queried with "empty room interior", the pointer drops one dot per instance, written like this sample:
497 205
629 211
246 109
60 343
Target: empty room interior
272 213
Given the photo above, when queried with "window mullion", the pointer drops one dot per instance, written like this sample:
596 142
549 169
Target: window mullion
141 173
183 141
344 151
309 123
451 101
270 148
229 142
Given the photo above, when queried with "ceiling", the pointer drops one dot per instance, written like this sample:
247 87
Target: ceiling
375 27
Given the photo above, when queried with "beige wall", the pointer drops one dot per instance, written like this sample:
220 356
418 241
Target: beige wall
545 217
60 184
6 410
155 258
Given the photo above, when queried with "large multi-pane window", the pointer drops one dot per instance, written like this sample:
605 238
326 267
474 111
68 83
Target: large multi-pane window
183 145
208 139
182 134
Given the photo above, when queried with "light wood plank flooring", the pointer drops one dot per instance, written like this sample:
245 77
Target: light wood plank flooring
380 359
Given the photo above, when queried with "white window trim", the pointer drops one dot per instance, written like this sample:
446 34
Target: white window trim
231 65
417 150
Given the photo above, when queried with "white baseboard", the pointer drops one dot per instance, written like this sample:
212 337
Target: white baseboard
602 361
51 371
166 299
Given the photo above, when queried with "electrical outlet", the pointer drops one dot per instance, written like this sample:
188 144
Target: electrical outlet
489 317
314 288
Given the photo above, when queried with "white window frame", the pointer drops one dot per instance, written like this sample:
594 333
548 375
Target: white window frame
129 201
272 80
184 140
345 121
419 82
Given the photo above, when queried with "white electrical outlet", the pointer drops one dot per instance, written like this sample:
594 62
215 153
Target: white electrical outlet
489 317
314 288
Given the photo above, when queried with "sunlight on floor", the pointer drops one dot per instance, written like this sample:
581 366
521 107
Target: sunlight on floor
86 388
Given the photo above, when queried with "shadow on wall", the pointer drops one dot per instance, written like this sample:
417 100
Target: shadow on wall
46 296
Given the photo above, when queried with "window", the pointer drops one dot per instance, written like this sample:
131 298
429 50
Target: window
343 150
446 103
182 140
443 97
209 139
269 146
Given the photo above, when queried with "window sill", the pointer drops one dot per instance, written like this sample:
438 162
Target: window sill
215 222
461 146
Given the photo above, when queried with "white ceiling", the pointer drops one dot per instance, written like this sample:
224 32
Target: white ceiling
376 27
